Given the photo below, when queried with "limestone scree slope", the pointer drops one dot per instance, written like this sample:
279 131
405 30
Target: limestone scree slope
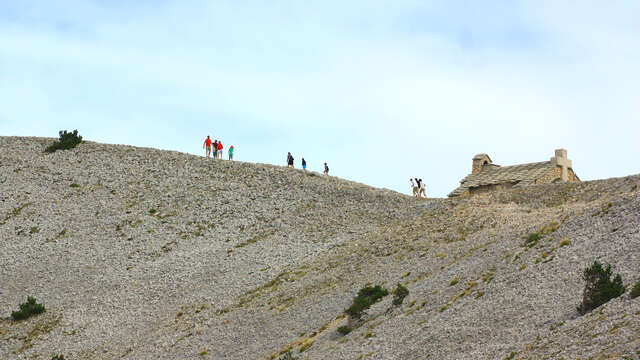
146 254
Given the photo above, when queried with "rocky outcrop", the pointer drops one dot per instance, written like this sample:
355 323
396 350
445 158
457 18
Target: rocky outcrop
147 254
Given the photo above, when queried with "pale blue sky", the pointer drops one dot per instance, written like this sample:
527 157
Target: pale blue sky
381 90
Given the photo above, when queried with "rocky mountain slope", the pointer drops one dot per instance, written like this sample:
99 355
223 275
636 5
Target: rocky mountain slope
147 254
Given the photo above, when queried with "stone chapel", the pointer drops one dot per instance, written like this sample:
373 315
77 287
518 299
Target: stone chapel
487 176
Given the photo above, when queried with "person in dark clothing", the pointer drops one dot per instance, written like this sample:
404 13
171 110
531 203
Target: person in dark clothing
304 164
290 160
421 188
326 169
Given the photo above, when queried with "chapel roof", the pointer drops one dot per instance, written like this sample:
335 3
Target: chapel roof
522 175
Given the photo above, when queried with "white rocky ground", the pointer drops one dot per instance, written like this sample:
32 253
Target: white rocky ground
162 255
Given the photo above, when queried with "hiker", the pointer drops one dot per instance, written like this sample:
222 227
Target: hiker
231 152
326 169
220 149
304 165
207 146
414 187
215 149
421 189
290 160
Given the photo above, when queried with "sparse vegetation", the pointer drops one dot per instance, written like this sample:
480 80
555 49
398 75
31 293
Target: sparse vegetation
399 293
74 185
454 281
344 330
67 140
488 276
58 357
367 296
635 291
533 238
287 356
306 346
564 242
28 309
599 287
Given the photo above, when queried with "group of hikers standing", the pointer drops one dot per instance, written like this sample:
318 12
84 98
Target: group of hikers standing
418 188
217 148
304 164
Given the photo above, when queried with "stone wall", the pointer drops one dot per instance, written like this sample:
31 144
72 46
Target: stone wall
555 175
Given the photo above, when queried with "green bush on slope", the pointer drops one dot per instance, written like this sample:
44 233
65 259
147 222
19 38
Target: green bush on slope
399 293
599 287
30 308
67 140
367 296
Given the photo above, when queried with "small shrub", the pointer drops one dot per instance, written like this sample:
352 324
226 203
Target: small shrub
367 296
533 238
30 308
564 242
67 140
152 211
454 281
58 357
488 276
399 293
635 291
287 356
306 346
599 288
74 185
344 330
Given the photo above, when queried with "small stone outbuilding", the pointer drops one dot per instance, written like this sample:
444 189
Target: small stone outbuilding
487 176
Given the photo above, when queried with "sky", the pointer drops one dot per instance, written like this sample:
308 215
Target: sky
383 91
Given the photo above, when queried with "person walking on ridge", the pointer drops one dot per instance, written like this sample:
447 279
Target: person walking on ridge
215 149
207 146
220 149
414 187
231 152
290 160
421 190
304 164
326 169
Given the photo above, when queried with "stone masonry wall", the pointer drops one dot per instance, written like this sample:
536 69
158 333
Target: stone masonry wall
554 174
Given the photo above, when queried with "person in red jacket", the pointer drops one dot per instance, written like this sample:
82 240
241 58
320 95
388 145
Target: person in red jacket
220 149
207 146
